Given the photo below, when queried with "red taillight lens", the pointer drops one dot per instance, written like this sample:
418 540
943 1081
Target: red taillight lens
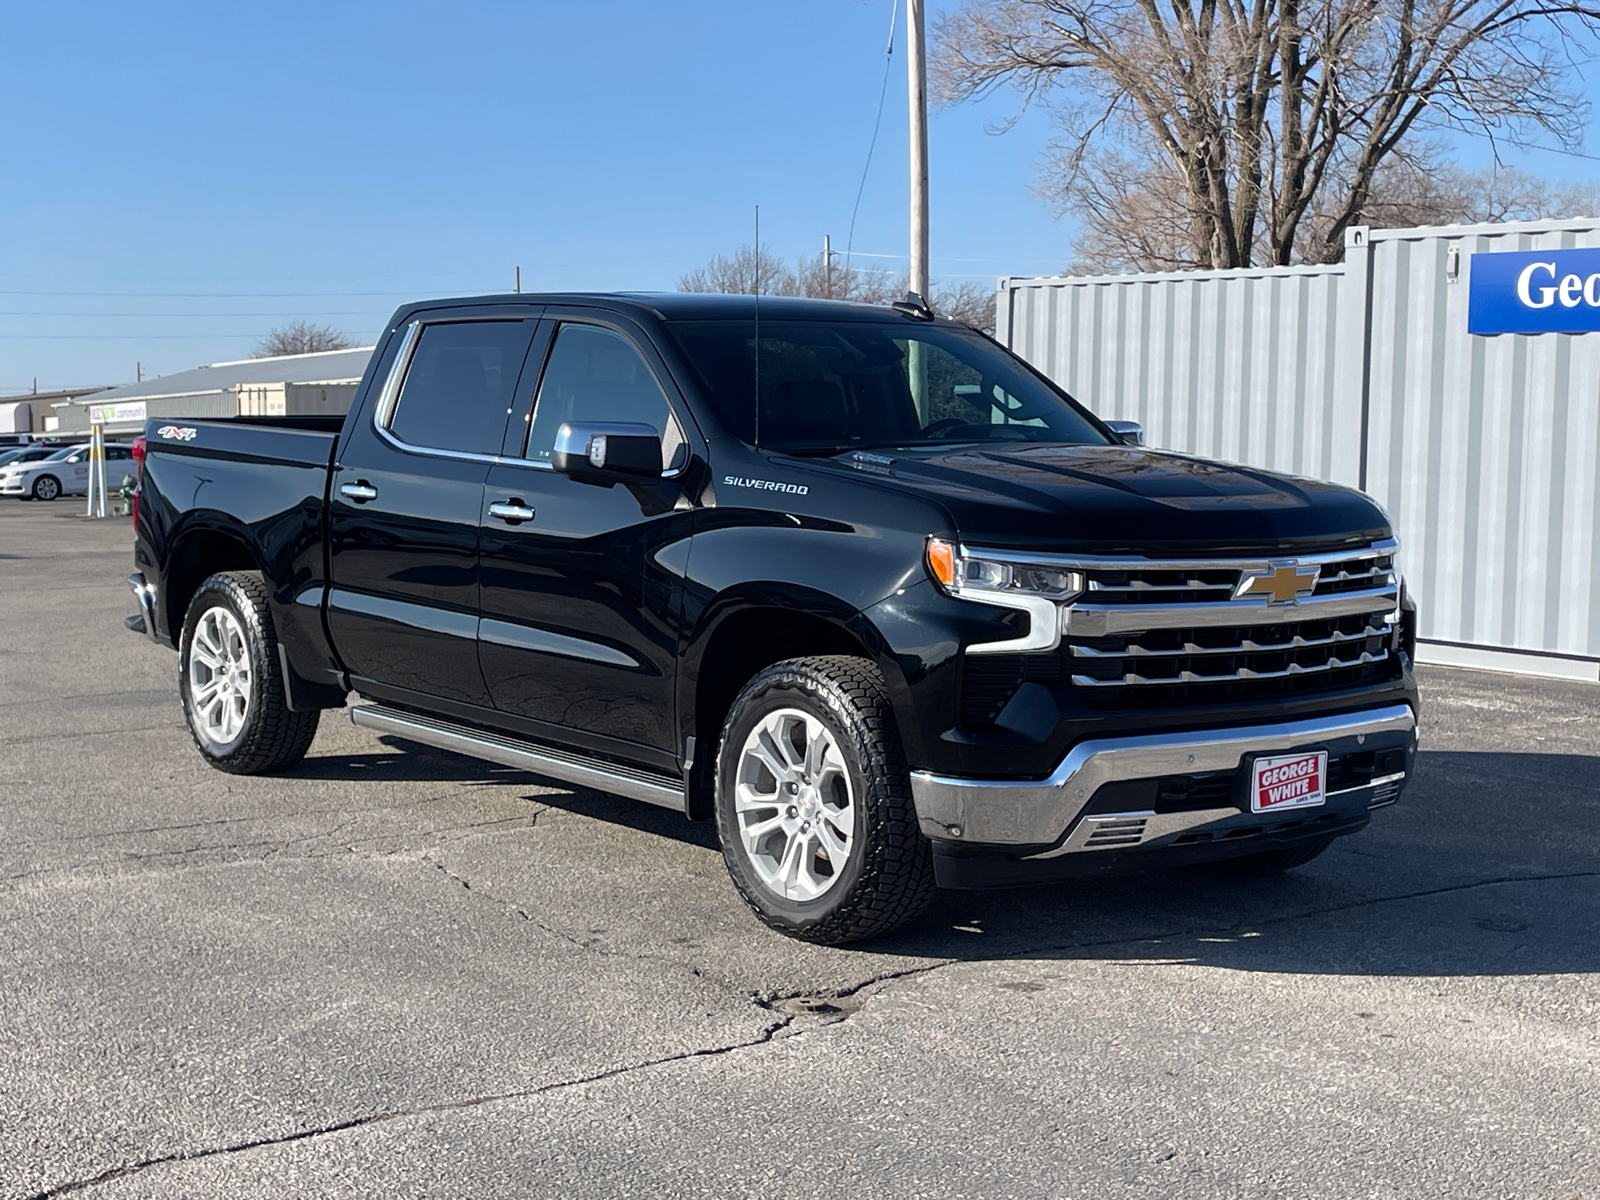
138 482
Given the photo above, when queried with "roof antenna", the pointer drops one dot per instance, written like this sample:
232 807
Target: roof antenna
758 327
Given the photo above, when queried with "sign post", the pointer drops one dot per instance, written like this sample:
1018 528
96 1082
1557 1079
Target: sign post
97 470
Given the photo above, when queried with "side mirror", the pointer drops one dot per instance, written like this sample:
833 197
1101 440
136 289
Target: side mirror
607 452
1130 433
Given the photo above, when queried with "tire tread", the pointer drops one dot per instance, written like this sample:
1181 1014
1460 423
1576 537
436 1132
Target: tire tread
276 738
897 882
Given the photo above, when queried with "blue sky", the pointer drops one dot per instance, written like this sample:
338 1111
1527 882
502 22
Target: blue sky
182 177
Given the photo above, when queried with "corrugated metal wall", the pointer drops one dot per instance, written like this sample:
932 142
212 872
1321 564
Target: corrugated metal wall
1484 450
1236 365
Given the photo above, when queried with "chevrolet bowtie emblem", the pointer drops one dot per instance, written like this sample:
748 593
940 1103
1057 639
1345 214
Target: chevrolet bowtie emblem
1282 583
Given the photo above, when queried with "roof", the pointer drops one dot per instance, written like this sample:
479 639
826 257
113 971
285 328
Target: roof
57 394
328 366
677 306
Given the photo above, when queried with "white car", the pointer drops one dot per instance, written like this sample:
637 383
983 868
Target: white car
64 473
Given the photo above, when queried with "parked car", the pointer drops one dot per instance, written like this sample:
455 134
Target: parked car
65 472
856 583
26 454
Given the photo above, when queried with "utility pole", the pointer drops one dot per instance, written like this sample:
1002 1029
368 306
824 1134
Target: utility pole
138 372
917 78
827 264
519 281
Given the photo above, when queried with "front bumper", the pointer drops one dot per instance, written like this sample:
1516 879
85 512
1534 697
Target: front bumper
1060 815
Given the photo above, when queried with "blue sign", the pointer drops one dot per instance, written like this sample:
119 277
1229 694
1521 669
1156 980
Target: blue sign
1535 291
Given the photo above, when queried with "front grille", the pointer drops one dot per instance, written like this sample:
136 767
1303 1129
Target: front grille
1150 633
1162 657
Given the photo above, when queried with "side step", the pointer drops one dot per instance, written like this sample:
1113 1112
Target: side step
513 752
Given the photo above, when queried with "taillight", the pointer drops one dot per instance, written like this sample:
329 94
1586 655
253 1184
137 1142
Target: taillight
138 482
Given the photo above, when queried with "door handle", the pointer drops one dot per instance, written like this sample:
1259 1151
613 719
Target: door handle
361 491
512 511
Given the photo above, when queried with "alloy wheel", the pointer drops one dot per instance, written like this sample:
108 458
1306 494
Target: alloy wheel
219 676
794 804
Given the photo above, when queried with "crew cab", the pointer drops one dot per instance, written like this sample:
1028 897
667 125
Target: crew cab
854 582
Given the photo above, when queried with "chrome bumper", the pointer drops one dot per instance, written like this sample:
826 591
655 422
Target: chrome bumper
145 594
1040 812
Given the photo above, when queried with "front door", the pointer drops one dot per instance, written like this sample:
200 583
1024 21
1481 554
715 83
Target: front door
403 514
580 605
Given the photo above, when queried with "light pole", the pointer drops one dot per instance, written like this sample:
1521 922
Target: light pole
917 79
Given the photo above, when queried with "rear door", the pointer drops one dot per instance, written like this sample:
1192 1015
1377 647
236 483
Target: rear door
580 599
403 513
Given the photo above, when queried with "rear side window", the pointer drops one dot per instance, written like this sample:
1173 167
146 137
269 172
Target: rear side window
459 386
594 374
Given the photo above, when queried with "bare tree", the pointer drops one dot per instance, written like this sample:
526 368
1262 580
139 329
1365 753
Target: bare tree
1244 119
742 273
1134 218
813 278
302 337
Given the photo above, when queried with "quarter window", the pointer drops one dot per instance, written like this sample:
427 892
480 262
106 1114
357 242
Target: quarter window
594 374
459 385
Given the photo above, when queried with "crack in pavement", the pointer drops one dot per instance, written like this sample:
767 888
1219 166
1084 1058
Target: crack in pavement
767 1034
591 946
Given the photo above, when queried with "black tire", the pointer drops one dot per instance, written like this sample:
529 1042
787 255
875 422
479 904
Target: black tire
887 878
270 737
1271 862
46 487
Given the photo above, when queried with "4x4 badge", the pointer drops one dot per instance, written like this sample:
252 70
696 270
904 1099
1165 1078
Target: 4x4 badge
1283 583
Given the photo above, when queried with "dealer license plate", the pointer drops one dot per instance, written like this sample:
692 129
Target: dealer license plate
1289 781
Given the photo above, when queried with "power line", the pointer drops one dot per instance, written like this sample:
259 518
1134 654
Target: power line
282 312
883 92
213 295
140 337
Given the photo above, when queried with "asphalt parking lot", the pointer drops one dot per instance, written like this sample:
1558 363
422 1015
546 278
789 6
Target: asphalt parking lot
399 972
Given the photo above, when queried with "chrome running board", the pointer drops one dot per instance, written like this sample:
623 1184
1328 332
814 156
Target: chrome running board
513 752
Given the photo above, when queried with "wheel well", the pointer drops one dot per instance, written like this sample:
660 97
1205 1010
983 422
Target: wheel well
743 645
198 557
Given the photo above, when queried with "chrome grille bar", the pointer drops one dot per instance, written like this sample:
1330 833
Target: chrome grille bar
1102 620
1131 679
1245 646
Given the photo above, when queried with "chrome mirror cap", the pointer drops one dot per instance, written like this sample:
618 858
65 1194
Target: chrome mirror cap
1130 433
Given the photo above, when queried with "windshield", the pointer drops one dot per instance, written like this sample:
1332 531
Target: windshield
10 456
828 386
64 452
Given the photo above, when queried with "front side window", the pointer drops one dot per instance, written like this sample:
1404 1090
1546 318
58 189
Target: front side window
594 374
830 386
459 385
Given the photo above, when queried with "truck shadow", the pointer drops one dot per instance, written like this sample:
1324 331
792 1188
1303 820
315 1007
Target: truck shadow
1490 865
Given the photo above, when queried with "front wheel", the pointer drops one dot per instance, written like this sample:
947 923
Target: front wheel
46 487
235 699
814 804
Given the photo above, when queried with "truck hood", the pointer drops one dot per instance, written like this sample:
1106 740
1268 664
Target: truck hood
1103 498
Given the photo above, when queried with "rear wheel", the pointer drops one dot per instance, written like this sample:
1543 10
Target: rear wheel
814 804
46 487
234 695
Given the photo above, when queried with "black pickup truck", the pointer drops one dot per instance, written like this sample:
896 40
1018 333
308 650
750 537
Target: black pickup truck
854 582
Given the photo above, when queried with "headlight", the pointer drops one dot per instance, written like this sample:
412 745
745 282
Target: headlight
1038 589
987 576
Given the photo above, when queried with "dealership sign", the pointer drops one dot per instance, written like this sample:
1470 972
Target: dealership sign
109 414
1535 291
